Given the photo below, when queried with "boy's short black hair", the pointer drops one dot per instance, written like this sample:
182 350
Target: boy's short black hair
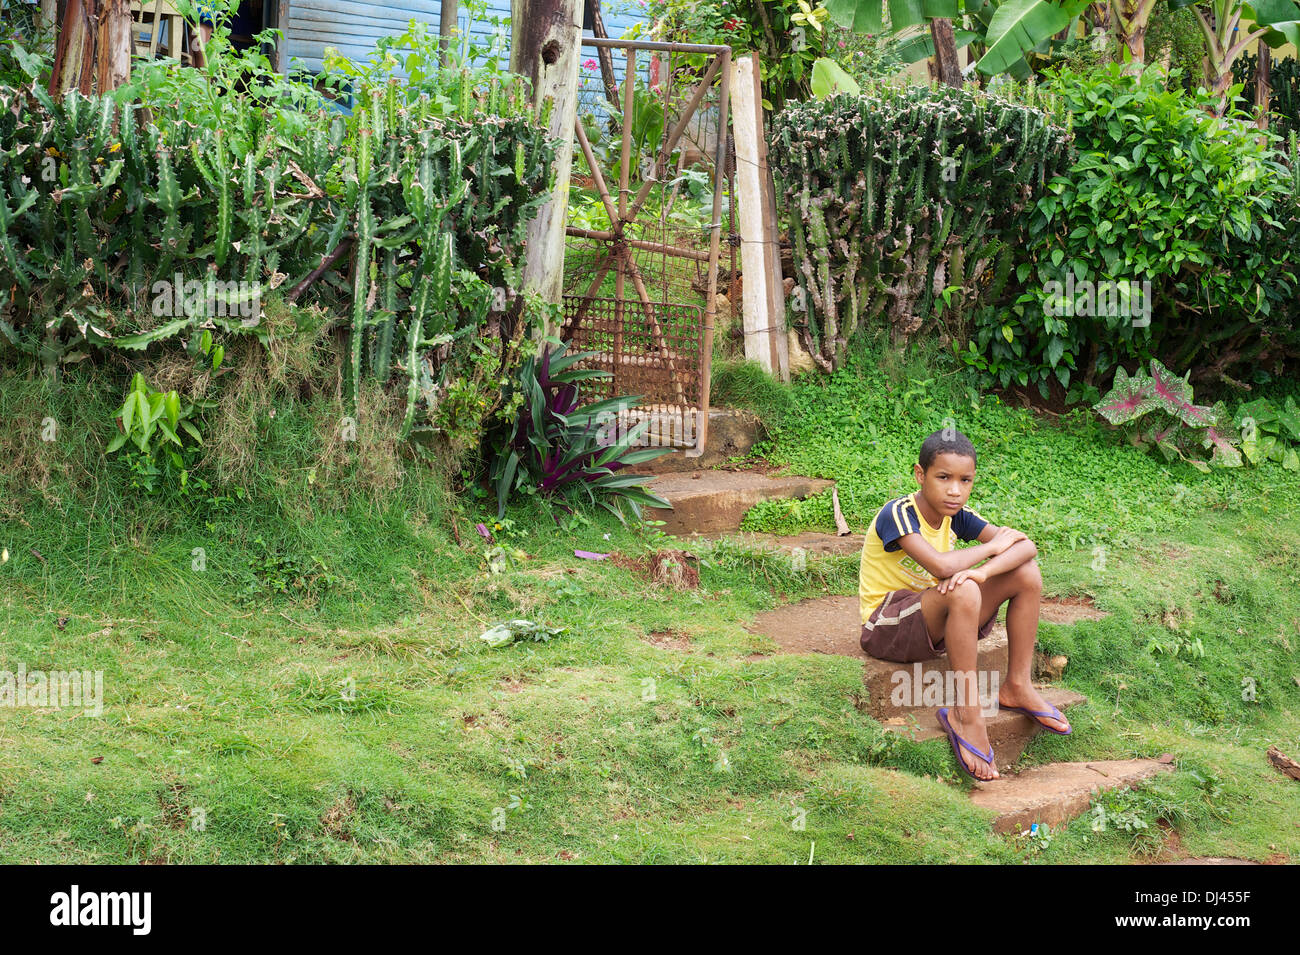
947 441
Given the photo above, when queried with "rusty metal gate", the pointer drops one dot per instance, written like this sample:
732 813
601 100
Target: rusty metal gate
641 282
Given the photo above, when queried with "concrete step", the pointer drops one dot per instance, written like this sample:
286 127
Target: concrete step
883 677
1009 732
707 502
732 434
810 542
832 625
1058 792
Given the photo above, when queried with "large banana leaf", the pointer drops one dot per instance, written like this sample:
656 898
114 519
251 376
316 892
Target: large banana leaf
867 16
860 16
829 78
1281 16
1018 26
922 45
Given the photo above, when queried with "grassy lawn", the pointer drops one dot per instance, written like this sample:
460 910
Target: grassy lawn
318 692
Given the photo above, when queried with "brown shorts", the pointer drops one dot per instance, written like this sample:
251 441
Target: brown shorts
896 630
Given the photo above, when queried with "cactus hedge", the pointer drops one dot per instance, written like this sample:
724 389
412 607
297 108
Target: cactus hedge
903 206
418 217
1284 99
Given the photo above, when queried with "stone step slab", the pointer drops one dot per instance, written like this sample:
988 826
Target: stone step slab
1009 732
1055 793
712 502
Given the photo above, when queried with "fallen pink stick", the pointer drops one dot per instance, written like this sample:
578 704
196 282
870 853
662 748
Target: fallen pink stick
588 555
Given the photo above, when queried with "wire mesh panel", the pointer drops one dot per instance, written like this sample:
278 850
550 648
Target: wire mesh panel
648 200
653 353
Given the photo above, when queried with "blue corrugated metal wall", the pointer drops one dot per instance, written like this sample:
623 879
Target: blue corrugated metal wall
352 27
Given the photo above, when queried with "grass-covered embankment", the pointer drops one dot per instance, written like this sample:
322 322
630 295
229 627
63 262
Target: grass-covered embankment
318 691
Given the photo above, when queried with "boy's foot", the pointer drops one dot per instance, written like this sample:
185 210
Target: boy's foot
972 730
1029 698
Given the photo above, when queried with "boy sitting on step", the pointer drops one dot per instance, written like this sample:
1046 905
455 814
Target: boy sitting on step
920 598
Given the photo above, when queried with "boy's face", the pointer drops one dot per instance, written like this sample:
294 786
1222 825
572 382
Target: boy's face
947 483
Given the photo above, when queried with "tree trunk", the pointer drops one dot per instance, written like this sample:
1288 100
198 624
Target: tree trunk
1220 89
448 13
603 54
947 66
74 51
545 45
1129 19
48 17
114 45
1136 44
1263 84
93 49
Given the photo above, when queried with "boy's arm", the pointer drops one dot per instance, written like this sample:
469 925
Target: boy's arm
1022 551
944 565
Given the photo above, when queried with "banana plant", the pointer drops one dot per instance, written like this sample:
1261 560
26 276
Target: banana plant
1007 32
1276 22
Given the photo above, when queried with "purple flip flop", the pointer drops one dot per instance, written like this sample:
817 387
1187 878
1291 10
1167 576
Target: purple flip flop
1054 713
954 739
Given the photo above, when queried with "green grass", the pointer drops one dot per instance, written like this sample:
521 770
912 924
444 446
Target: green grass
357 717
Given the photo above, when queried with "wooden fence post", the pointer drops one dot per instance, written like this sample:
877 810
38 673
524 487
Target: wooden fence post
545 45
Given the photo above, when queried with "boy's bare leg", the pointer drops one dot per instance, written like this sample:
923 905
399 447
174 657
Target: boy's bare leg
1023 587
956 615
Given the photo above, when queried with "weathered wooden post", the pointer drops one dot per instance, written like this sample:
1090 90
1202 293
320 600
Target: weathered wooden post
546 37
448 13
947 66
1263 84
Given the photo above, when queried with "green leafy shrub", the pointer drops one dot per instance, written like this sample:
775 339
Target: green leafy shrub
153 421
26 43
273 571
789 35
1165 199
865 56
904 206
1270 433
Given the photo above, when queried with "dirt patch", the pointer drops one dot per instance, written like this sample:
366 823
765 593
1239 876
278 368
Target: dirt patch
175 810
756 466
338 818
669 640
1069 610
830 625
1212 860
1222 594
675 569
512 686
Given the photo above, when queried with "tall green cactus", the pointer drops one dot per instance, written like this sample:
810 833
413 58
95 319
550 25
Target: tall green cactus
414 191
897 195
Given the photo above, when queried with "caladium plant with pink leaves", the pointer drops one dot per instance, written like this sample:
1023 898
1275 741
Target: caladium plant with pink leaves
1158 411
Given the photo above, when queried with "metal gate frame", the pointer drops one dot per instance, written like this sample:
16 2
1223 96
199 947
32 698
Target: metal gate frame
620 256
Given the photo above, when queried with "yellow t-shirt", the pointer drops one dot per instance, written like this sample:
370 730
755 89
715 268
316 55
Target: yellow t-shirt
886 566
